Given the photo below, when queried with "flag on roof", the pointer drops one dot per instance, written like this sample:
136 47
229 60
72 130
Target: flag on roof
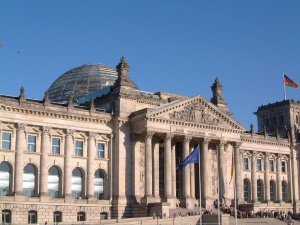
289 82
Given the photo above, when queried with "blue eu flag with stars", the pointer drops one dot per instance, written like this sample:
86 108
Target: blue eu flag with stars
193 157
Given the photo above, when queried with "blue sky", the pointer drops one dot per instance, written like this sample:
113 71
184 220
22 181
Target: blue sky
172 46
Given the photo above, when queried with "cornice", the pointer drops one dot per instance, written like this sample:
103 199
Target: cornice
59 115
264 142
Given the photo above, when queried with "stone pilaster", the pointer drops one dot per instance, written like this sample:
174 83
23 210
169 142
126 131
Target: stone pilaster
295 181
156 170
69 149
167 167
254 177
20 148
186 170
278 179
45 148
90 165
267 178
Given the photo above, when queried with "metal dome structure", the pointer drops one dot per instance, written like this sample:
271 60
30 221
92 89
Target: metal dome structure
81 81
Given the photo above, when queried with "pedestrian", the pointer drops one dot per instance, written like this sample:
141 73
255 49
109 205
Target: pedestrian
289 220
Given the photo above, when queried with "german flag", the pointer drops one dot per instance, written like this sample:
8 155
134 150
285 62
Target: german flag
289 82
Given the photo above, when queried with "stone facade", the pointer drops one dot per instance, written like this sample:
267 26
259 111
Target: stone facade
116 155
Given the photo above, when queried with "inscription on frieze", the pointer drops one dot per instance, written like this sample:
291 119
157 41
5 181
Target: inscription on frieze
196 113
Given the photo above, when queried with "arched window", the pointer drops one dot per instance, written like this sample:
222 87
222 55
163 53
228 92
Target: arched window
6 216
76 183
99 184
29 183
246 190
5 179
284 191
260 193
53 182
272 191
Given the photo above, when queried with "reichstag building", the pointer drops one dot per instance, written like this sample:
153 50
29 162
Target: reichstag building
97 147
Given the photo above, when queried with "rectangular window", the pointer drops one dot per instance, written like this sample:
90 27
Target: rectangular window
55 146
246 164
6 140
258 164
271 165
100 150
79 148
31 143
283 166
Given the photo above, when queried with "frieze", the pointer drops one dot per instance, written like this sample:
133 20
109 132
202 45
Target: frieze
194 132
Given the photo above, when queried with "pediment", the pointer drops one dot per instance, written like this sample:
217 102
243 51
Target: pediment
195 110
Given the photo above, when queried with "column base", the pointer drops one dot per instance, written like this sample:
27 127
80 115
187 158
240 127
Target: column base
147 199
187 203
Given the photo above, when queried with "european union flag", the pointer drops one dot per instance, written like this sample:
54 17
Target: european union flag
193 157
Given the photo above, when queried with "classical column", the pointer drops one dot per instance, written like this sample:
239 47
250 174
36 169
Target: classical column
167 166
254 177
68 160
238 173
20 148
267 178
156 169
91 152
206 175
186 170
278 178
148 164
173 169
222 177
45 149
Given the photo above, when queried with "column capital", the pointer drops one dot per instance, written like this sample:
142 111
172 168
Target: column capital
222 143
169 136
21 127
148 134
187 138
70 132
92 135
206 140
237 144
46 130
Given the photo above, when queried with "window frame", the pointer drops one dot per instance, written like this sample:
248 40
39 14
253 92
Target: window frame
54 147
246 163
283 166
6 141
259 165
271 165
79 148
100 152
31 144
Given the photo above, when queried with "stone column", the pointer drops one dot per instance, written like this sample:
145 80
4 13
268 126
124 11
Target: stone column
148 164
278 178
173 168
254 177
193 191
206 172
238 173
156 169
20 148
186 170
222 177
69 149
91 152
45 149
267 178
167 167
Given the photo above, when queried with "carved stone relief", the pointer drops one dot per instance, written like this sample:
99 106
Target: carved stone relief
196 113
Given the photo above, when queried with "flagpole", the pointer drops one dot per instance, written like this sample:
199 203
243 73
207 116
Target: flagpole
200 196
284 86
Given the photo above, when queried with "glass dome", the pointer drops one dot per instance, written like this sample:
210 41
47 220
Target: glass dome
82 81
